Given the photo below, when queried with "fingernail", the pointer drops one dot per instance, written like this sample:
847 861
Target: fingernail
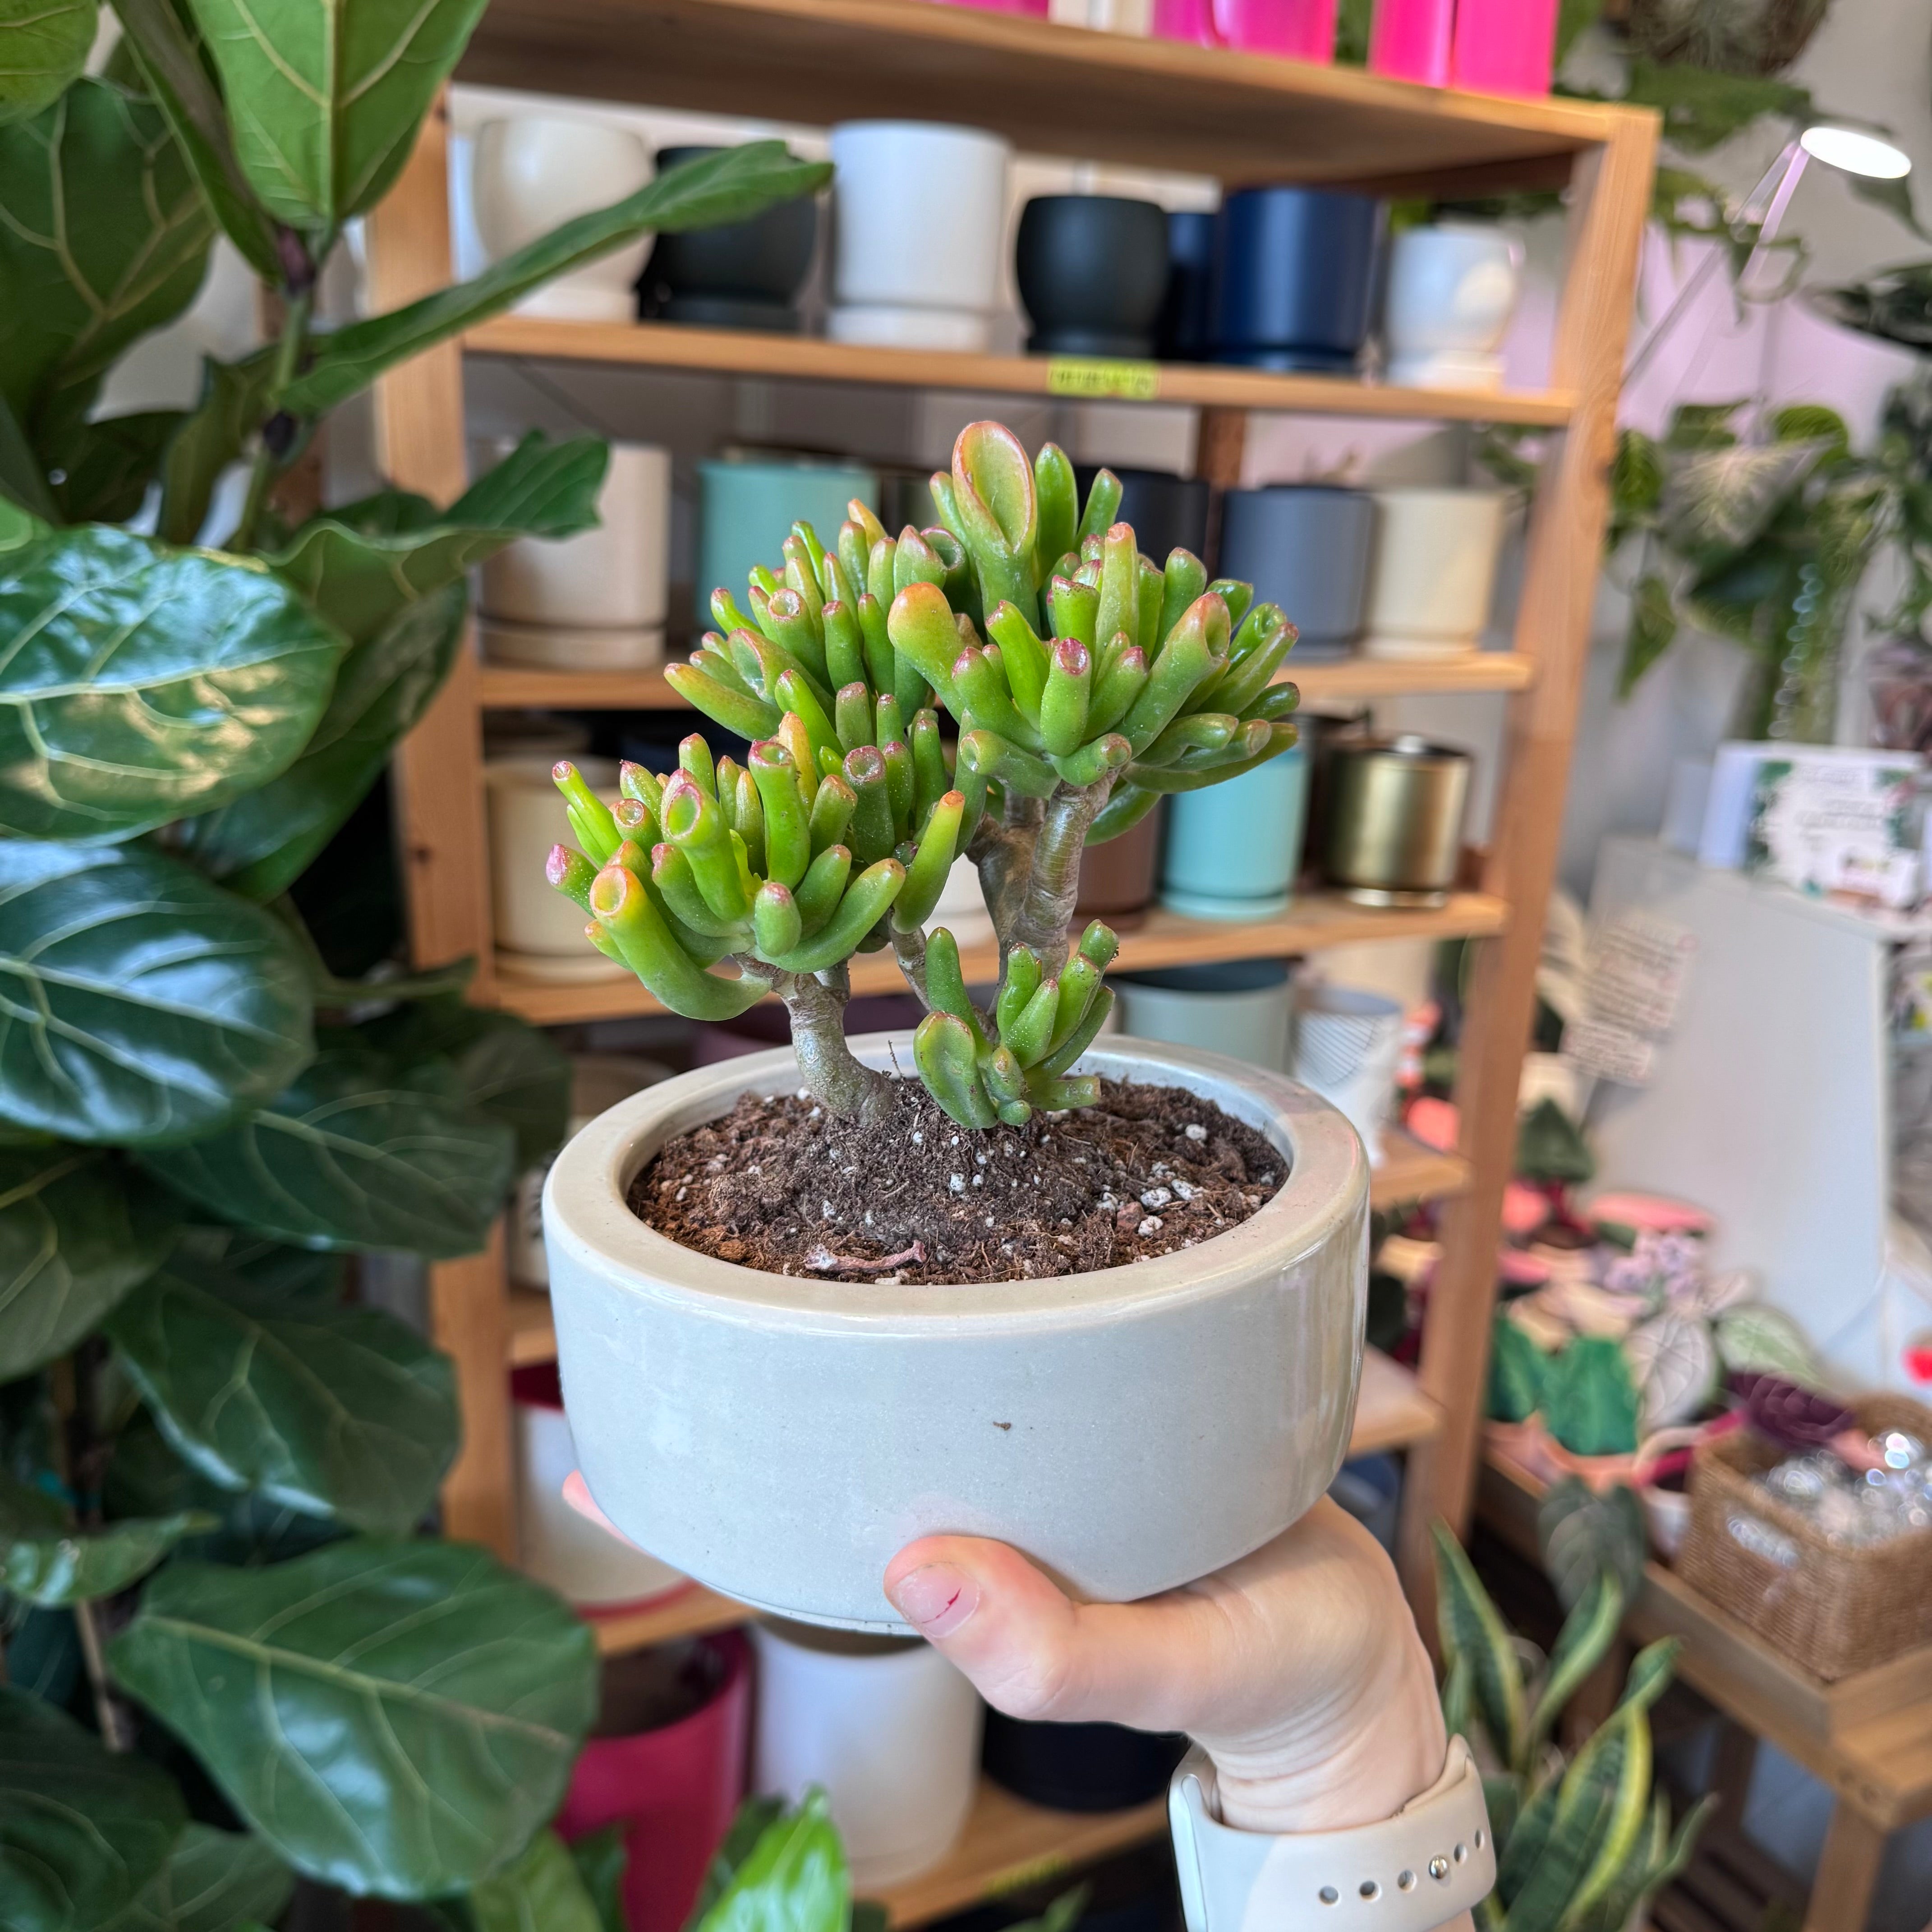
936 1599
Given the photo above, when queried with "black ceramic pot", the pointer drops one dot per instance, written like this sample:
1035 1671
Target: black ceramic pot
1181 334
1295 273
1167 511
746 274
1079 1767
1092 270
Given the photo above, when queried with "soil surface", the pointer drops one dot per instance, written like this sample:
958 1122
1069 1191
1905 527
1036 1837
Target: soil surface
779 1185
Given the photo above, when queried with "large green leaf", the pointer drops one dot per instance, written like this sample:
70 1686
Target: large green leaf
259 845
394 1718
234 397
754 1817
43 45
359 565
43 1560
325 101
600 1857
712 190
1653 629
213 1881
356 1153
1701 110
167 54
141 683
105 466
795 1877
1584 1535
22 486
106 238
82 1830
543 1892
340 1412
139 1003
78 1230
1589 1398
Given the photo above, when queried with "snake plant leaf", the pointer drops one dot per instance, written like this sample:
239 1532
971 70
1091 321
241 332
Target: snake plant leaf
393 1717
45 1561
338 1411
795 1875
1518 1854
47 42
1473 1632
356 1153
105 466
144 1005
1592 1805
83 1829
361 565
543 1892
106 239
1502 1796
1584 1535
325 101
213 1881
1588 1633
600 1857
143 683
78 1230
260 845
708 192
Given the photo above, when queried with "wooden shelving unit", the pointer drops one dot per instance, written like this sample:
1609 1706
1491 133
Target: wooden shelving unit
1110 98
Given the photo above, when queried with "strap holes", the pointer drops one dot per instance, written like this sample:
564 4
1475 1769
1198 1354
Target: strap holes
1369 1889
1328 1894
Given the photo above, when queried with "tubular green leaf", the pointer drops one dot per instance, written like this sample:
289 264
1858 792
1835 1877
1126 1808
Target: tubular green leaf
1024 974
798 698
748 717
872 834
1117 686
1054 1095
852 717
623 909
1103 504
1063 708
980 682
1056 494
920 625
844 645
1075 610
990 757
596 829
777 926
822 887
1126 805
832 810
1023 657
942 1052
1094 760
930 781
915 561
677 886
945 984
787 829
693 823
1120 608
1184 579
1152 588
1236 595
926 876
1029 1035
571 873
1083 1036
898 785
868 899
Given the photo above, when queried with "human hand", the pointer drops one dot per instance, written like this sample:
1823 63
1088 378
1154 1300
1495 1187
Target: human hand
1298 1669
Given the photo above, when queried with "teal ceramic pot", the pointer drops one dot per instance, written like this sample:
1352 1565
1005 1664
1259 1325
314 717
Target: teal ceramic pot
745 511
1233 849
1241 1008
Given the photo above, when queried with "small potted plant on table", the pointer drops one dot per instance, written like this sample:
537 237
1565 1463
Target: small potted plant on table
1106 1302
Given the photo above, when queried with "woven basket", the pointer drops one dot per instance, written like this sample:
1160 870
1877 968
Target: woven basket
1835 1610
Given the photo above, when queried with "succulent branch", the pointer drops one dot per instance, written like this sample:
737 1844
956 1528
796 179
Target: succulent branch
1083 680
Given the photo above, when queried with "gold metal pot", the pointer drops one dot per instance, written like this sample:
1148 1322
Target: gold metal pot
1392 819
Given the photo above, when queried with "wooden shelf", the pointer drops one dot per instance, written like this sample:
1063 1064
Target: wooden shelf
1049 89
1007 1843
1410 1171
736 352
511 688
1316 920
692 1611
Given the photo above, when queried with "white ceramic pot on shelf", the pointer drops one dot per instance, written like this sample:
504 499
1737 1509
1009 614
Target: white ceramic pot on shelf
1130 1429
1434 571
539 933
611 583
1347 1045
532 172
900 277
961 909
1452 288
884 1725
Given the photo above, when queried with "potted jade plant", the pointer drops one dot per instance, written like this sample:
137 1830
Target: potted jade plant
1106 1302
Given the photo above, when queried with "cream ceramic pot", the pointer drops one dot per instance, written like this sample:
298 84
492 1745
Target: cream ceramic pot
535 171
1129 1430
527 817
1433 572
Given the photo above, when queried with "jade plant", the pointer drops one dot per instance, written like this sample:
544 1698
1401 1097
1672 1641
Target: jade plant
1083 681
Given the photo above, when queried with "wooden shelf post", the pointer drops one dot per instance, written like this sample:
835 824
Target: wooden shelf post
1610 199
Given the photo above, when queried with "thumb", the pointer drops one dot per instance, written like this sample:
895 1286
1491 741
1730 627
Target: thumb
1033 1652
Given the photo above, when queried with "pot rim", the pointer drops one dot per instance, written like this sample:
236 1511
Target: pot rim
584 1209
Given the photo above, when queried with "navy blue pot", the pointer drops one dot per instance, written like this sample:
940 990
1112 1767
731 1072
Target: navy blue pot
1295 271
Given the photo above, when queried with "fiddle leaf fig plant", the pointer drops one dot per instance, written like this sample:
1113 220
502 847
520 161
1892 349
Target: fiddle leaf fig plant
215 1468
1083 680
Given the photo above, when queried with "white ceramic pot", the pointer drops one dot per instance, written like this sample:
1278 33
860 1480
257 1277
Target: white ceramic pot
1238 1007
884 1725
1452 288
533 171
582 1563
1347 1045
1130 1429
611 579
533 920
961 909
900 276
1434 571
580 647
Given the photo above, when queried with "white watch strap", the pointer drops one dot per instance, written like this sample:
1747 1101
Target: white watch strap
1433 1859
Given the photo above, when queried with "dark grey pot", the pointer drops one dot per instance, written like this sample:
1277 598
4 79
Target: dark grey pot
1167 511
1092 270
746 274
1306 548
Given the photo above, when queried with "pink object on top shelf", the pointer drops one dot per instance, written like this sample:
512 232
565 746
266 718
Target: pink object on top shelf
1037 8
1504 46
1295 29
1409 40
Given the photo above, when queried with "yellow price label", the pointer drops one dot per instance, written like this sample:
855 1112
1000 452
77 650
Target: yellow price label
1081 376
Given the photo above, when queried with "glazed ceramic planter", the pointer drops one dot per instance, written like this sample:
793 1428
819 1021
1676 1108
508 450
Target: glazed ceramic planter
1305 546
1434 571
745 511
1237 1008
745 274
1092 272
1303 30
1117 876
781 1438
1452 288
1348 1042
1233 849
538 931
899 276
1184 332
534 172
884 1725
1294 276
